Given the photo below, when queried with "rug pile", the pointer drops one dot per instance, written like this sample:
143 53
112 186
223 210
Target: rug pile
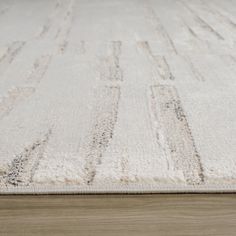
116 96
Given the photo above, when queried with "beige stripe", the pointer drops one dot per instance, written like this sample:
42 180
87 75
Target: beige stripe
23 166
159 62
202 22
110 65
159 28
103 128
41 65
173 123
12 51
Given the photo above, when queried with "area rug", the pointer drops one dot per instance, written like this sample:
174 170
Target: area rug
117 96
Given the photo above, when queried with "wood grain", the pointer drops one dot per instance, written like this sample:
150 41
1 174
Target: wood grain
160 214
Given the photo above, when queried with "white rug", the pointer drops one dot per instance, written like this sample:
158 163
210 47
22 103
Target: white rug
117 96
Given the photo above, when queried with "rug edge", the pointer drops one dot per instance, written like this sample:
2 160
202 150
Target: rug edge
134 189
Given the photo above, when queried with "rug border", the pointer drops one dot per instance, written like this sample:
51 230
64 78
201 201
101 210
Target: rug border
113 189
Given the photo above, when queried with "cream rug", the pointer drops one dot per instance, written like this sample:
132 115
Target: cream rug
117 96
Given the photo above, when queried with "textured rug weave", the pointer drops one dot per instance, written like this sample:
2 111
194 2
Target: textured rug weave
117 96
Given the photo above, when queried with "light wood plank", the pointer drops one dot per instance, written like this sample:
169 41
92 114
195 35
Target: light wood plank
158 214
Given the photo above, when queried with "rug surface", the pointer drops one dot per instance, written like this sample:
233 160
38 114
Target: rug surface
117 96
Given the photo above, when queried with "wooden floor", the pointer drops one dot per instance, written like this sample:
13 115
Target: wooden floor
160 214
